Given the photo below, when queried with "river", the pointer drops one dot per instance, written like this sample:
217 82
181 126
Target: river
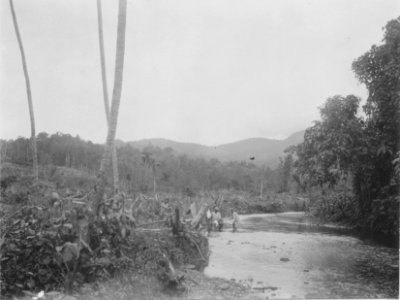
285 255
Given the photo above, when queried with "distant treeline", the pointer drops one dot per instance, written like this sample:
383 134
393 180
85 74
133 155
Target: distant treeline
152 168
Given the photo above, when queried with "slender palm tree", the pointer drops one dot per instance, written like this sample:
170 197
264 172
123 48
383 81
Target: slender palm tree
28 92
105 91
152 164
116 97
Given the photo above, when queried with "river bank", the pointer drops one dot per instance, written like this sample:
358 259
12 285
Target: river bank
133 286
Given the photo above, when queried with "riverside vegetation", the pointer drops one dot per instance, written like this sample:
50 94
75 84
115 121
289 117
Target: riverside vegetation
50 241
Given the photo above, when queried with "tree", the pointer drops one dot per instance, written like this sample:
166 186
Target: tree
28 92
379 70
285 168
341 143
149 161
116 97
330 147
105 92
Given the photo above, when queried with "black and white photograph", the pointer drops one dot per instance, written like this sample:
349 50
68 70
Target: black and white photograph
199 149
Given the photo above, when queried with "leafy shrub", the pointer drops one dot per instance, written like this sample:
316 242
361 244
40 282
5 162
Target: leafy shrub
72 178
384 216
29 259
7 181
334 206
43 250
51 248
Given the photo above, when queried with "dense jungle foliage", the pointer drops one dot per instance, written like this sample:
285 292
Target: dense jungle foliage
354 159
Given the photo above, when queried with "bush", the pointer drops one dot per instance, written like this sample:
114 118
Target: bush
51 248
334 206
45 250
29 259
384 216
71 178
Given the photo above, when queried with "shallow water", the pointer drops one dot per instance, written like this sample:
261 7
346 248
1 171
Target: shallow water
287 256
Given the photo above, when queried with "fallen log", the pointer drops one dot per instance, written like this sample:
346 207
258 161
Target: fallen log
151 223
151 229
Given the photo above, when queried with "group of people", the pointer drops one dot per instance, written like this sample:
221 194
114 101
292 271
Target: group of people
215 221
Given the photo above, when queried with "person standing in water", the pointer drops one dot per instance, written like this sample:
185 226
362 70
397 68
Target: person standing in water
219 223
235 220
209 221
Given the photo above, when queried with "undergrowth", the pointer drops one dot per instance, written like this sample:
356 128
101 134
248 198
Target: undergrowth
49 242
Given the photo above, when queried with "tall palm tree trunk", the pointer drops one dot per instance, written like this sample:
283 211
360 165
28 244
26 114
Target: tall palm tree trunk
105 92
28 92
116 97
154 185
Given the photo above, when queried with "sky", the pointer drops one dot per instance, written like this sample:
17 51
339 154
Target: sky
209 71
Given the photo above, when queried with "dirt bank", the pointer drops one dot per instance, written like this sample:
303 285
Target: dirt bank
132 286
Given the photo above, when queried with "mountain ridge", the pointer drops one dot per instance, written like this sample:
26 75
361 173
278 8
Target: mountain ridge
264 150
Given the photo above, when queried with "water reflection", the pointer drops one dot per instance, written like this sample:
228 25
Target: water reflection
285 256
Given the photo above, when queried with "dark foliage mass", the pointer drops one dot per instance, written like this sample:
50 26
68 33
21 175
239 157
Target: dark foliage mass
50 247
42 250
346 148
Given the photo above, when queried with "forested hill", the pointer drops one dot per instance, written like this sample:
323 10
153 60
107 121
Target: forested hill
172 169
265 151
